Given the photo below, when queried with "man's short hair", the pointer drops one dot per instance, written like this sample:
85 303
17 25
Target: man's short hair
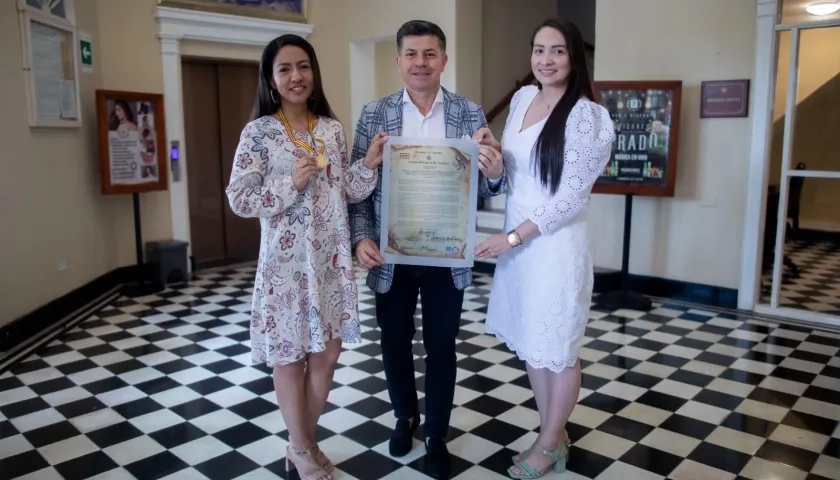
418 28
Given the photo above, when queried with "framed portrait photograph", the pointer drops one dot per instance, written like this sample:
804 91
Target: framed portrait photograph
288 10
132 138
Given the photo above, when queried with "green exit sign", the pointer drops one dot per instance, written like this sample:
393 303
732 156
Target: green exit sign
86 52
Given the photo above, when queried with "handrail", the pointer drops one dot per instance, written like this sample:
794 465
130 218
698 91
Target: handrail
503 103
526 80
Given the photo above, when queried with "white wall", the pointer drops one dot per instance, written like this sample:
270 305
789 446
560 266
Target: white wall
695 236
388 79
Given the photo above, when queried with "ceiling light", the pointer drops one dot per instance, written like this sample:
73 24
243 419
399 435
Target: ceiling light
824 8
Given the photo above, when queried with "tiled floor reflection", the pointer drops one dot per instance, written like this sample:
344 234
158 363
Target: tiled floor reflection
817 288
163 389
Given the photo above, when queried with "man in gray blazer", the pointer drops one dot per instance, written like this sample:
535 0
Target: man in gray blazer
422 109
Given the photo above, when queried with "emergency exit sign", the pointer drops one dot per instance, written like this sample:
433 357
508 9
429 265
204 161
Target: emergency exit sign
85 52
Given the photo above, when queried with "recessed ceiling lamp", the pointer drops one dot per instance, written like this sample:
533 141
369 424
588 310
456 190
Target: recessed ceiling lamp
823 8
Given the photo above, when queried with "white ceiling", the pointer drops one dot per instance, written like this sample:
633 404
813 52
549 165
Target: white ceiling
793 11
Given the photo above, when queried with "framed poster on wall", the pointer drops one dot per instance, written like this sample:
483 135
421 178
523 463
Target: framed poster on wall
132 136
647 125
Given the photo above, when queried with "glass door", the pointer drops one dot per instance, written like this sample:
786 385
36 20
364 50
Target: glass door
801 258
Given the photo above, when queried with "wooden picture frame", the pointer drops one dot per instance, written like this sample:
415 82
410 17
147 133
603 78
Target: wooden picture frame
647 121
131 134
52 74
247 8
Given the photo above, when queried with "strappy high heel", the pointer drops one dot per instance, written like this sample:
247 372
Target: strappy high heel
322 459
306 456
524 454
558 463
521 455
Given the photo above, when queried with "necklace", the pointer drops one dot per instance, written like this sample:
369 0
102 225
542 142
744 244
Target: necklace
548 106
322 160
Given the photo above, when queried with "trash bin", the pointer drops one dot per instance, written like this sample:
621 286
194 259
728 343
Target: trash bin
167 261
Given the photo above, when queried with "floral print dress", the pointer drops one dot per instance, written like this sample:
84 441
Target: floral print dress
305 287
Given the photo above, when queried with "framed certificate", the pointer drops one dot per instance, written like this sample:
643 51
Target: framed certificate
429 199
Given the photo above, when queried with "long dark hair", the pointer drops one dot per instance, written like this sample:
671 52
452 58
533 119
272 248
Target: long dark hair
552 140
114 120
264 103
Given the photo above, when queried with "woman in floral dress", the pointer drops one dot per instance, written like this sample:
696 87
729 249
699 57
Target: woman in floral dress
291 171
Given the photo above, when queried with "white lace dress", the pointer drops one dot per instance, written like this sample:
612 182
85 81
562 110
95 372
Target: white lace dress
542 290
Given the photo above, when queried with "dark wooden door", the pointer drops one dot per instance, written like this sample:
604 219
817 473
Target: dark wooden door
217 104
204 162
237 87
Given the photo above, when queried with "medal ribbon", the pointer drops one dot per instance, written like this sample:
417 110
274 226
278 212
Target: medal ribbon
301 143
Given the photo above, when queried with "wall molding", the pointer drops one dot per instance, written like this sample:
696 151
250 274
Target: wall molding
182 24
176 25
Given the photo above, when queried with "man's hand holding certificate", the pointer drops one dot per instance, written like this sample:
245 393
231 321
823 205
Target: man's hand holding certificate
430 191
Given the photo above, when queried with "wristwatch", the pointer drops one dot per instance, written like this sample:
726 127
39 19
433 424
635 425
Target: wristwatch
513 239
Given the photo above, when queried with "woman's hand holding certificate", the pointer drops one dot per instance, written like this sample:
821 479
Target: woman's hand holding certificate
489 154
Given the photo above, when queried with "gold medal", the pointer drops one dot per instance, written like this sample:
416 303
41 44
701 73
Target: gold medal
321 159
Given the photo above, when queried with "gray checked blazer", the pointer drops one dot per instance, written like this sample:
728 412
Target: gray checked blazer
386 114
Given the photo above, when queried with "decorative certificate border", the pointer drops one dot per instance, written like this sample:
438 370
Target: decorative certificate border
467 146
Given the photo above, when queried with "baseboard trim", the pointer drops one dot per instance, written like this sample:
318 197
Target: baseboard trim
607 280
810 235
44 337
19 331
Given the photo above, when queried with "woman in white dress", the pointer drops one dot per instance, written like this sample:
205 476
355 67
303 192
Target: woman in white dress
291 171
556 143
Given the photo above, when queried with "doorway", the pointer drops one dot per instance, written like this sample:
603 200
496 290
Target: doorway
218 97
800 274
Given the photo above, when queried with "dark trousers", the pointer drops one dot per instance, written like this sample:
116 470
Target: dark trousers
441 311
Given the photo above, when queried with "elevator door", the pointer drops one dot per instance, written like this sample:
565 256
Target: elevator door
217 104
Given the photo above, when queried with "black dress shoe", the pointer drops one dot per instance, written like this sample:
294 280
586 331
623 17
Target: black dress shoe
400 443
438 462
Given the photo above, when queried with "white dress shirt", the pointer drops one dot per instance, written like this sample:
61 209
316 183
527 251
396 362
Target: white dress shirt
431 125
415 124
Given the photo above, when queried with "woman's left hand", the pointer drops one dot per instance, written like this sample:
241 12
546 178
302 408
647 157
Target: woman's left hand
494 246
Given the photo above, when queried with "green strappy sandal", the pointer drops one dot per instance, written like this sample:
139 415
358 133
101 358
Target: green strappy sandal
558 463
522 455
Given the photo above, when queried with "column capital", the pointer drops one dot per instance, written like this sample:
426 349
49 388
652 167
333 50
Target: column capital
766 8
170 44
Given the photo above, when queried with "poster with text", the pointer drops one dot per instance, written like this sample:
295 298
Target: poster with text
132 142
646 119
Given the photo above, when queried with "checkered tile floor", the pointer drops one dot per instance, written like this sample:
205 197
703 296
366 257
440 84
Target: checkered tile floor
817 288
161 387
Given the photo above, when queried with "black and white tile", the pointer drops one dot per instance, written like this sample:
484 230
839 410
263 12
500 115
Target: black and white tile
817 288
162 387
